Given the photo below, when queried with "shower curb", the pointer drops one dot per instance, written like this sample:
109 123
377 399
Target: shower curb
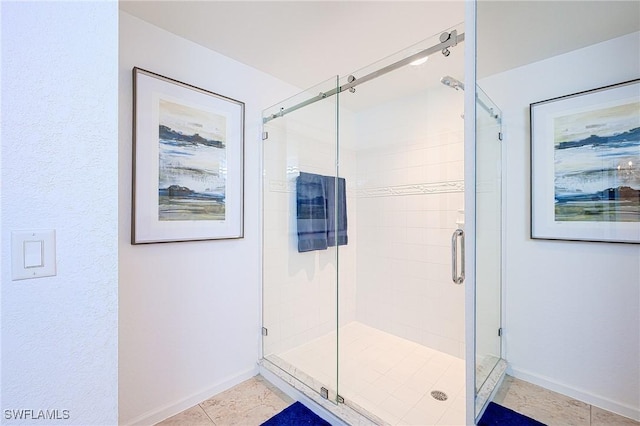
344 412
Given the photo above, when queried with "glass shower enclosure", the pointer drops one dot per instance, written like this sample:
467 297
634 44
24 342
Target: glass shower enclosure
363 188
300 302
488 282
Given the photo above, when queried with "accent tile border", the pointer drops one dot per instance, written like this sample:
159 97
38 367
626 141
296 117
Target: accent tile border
384 191
412 189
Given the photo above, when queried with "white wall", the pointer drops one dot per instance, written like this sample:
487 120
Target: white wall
572 319
410 187
189 312
59 171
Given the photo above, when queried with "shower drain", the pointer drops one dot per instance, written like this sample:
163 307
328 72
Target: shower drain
439 395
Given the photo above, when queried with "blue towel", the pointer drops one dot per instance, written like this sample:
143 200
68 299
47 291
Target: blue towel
311 205
336 226
318 225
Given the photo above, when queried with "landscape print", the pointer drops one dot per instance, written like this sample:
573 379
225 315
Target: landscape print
597 165
192 163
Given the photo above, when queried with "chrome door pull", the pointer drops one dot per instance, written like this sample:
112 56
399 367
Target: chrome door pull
458 234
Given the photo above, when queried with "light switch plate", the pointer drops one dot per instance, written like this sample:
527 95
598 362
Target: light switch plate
33 254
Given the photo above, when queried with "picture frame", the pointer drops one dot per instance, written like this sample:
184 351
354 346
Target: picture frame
188 162
585 165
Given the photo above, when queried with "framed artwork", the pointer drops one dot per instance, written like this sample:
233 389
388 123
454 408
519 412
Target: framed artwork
188 162
585 165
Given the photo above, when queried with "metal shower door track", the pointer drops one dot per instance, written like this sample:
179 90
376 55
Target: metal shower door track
447 40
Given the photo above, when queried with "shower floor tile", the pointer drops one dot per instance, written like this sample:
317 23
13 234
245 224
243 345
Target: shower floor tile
390 377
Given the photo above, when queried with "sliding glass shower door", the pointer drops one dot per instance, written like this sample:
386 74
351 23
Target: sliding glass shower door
299 264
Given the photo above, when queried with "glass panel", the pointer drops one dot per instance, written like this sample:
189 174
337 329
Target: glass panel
488 235
401 333
299 273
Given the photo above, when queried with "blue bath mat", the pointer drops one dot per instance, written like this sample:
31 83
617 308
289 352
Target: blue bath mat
497 415
294 415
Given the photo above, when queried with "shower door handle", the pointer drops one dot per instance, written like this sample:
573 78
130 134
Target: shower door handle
458 235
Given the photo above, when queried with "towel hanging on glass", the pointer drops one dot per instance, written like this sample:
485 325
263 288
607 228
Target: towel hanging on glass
321 212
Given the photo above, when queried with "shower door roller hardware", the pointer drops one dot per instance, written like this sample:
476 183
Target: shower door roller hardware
445 36
458 235
265 332
340 399
350 80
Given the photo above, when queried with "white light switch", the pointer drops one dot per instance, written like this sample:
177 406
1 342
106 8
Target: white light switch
33 254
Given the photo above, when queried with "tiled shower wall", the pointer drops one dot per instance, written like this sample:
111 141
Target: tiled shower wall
410 173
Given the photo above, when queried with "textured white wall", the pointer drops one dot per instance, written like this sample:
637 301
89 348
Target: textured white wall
189 312
59 171
572 319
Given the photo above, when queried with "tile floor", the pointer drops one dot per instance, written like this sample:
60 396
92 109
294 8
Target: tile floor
389 377
248 404
554 409
252 402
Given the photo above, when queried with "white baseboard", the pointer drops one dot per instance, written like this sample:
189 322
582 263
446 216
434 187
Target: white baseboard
580 395
159 414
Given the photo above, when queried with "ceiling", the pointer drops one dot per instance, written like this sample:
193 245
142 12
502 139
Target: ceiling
302 42
306 42
516 33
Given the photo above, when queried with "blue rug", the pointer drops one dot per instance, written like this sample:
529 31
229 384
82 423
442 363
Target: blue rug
294 415
497 415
